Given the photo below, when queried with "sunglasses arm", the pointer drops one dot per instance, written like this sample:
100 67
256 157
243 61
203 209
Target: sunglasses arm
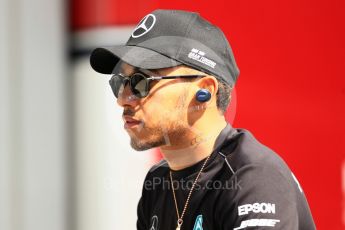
173 77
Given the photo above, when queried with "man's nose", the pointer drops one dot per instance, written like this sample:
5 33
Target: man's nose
125 96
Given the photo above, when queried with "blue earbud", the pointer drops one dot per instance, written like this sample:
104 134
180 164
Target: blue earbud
203 95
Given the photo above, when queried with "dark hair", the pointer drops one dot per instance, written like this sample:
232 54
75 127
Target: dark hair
223 95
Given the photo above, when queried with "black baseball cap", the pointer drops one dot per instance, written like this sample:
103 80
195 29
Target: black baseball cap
167 38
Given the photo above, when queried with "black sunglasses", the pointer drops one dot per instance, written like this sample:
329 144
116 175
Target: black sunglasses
139 83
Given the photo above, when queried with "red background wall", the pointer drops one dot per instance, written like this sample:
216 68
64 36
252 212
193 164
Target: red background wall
291 89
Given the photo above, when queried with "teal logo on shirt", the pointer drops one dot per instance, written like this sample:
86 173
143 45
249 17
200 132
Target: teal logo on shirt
198 223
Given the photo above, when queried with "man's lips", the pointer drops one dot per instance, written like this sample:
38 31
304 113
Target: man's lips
127 118
130 121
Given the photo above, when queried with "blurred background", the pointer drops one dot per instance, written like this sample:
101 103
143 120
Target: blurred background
65 159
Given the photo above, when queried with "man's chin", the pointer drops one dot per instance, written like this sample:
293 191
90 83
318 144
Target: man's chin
142 145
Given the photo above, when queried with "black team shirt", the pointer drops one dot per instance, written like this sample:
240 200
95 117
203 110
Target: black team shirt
244 185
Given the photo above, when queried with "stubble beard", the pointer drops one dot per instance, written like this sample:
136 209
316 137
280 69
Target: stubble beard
168 131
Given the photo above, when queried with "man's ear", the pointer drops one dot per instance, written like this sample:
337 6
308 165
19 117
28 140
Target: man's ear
210 83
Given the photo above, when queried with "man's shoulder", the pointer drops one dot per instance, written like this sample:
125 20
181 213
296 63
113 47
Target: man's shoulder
246 150
260 181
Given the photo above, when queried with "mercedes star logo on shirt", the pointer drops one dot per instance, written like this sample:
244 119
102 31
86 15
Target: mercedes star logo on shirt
154 223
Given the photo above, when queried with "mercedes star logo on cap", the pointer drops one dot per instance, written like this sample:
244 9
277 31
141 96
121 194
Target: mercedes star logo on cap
144 26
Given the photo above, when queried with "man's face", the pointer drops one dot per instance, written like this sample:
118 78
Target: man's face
163 112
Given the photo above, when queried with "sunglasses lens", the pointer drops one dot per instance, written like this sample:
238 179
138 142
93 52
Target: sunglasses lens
116 82
139 85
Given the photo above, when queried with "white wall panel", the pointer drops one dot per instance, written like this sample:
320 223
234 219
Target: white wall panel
109 172
33 115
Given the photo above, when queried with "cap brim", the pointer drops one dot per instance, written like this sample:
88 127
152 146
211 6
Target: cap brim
105 59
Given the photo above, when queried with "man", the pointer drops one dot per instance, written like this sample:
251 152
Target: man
173 79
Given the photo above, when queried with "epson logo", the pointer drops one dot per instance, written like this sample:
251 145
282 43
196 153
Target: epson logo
199 56
256 208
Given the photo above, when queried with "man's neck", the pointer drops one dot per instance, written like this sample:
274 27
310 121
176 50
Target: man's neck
193 150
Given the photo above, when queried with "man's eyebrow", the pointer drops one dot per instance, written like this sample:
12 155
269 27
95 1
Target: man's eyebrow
137 69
